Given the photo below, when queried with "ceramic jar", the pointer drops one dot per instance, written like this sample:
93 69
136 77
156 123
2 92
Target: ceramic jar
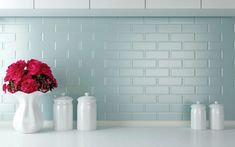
216 116
198 116
63 113
86 113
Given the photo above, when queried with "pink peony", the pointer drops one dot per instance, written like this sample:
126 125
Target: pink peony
34 66
29 86
45 69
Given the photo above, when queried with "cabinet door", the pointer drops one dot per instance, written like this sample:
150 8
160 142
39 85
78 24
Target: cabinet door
61 4
16 4
173 4
117 4
218 4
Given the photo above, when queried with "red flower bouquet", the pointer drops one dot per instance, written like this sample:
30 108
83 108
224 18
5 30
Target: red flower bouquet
29 77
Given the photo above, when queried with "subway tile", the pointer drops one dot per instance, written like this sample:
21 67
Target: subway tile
157 72
108 107
195 45
157 90
144 45
208 55
169 28
169 45
206 20
179 108
131 90
68 27
195 81
182 72
182 37
80 36
181 20
144 81
119 116
192 99
182 90
131 72
130 54
42 28
157 54
169 81
216 63
169 63
195 28
7 108
143 28
117 81
144 116
144 63
155 20
170 116
16 28
182 54
216 81
7 37
208 90
131 107
117 63
195 63
157 37
55 20
216 46
170 99
144 99
118 46
119 99
131 37
208 36
157 108
208 72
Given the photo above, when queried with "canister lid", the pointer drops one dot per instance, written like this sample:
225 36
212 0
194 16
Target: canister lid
198 105
86 98
216 105
63 99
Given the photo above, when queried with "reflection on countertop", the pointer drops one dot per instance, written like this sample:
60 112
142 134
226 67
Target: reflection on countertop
120 137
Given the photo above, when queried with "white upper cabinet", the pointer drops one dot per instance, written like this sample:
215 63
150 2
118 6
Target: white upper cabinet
16 4
218 4
117 4
61 4
173 4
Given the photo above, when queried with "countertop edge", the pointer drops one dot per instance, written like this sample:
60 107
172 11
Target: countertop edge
130 123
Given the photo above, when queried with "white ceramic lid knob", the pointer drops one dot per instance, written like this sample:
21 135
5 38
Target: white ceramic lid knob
198 102
86 94
216 102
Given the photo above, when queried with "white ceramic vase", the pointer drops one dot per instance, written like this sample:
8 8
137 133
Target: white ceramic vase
28 116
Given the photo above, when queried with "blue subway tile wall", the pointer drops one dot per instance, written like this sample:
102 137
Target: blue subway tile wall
140 68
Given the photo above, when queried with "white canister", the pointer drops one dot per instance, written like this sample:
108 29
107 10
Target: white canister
86 113
63 113
198 116
216 116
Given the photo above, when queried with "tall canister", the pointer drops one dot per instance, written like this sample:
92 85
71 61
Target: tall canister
216 116
63 113
198 116
86 113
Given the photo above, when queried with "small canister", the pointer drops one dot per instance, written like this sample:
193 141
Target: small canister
216 116
86 113
198 116
63 113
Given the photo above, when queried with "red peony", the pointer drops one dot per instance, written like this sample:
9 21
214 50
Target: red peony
29 85
15 71
29 77
34 67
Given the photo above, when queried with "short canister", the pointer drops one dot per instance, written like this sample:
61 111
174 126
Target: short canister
198 116
216 116
86 113
63 113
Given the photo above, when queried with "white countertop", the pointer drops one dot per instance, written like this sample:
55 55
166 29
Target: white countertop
120 137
